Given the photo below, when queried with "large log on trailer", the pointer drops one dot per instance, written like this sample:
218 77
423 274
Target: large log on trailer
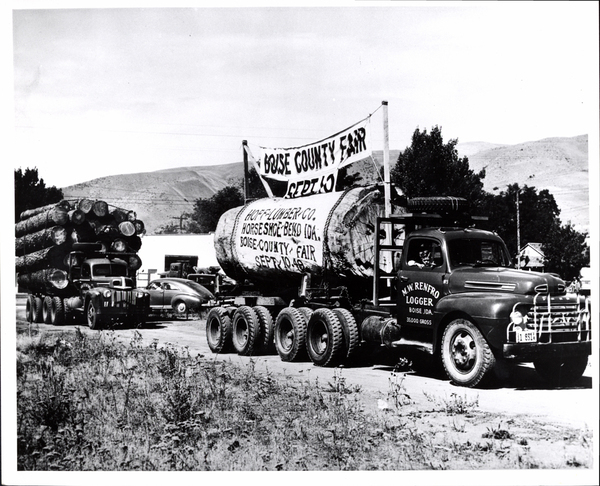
45 280
48 257
57 235
64 204
275 241
46 219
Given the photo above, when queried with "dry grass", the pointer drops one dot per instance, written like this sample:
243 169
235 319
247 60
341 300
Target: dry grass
90 402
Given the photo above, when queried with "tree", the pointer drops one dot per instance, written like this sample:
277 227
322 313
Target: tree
429 167
566 252
31 191
208 211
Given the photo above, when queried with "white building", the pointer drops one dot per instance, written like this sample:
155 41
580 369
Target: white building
532 257
158 251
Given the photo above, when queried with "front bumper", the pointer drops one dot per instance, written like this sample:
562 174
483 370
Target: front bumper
532 351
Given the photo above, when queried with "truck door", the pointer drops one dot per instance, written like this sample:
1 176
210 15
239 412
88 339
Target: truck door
420 281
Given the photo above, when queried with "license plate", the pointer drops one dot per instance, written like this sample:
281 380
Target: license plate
526 336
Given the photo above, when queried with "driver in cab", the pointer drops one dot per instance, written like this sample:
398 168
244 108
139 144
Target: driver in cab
425 257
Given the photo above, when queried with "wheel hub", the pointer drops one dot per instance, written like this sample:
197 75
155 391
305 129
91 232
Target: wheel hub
463 351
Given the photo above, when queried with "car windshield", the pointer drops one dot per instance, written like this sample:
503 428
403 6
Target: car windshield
110 270
476 252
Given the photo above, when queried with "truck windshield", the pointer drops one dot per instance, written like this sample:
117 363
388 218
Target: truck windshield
476 252
110 270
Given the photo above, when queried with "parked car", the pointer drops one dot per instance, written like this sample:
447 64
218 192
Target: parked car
179 294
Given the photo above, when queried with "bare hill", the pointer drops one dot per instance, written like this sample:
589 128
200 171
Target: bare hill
557 164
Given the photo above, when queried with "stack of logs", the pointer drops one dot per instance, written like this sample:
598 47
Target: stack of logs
45 236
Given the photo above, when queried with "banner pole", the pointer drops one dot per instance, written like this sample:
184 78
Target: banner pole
244 144
386 162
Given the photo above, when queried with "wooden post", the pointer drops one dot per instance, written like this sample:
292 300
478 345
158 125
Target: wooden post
244 145
386 162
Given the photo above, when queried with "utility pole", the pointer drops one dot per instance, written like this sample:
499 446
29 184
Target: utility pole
386 162
518 231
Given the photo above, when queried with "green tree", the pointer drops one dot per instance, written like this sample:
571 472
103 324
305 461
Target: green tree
31 191
430 167
207 212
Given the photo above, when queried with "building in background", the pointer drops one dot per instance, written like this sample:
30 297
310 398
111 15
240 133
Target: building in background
159 251
532 257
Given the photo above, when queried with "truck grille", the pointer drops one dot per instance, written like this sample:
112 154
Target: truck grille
120 297
557 319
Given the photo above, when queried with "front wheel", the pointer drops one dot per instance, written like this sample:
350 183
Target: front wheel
93 319
561 372
466 355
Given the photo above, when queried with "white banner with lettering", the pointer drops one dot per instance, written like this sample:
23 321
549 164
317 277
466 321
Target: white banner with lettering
312 169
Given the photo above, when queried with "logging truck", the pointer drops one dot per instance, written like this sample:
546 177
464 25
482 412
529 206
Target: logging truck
323 276
78 262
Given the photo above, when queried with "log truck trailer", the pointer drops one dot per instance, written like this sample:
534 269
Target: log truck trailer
325 275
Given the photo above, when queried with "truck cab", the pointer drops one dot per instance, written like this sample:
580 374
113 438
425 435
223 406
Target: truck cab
459 297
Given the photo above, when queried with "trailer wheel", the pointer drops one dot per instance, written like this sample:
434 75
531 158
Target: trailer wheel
349 330
93 319
47 310
290 334
57 311
466 355
561 372
29 308
218 330
307 312
265 320
36 309
325 338
245 330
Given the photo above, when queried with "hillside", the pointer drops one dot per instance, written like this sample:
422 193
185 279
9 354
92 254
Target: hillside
557 164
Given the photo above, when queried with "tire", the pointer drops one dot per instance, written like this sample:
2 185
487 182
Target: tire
218 330
57 311
245 330
290 335
36 310
180 307
306 312
47 310
265 319
94 321
29 308
466 355
561 372
349 330
438 203
325 338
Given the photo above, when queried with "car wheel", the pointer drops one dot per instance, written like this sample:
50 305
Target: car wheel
466 355
180 307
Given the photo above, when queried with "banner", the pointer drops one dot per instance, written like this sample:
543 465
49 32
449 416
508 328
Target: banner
312 169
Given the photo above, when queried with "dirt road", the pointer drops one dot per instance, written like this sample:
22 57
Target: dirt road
522 395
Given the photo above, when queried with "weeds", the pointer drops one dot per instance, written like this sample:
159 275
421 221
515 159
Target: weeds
455 404
93 403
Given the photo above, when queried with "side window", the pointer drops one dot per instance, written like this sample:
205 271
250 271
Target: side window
85 271
423 253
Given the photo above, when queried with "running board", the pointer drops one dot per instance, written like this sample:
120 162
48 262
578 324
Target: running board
427 347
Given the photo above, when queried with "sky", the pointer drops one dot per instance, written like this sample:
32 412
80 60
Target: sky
109 91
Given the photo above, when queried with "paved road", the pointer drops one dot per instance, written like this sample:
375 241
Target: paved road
522 394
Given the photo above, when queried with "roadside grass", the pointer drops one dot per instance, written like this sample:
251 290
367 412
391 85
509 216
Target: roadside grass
92 402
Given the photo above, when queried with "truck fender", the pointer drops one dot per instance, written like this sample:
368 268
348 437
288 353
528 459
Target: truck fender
489 311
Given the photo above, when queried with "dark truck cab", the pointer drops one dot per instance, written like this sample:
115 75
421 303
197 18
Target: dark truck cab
470 306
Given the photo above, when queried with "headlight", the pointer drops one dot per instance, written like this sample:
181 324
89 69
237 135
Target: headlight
106 293
140 295
518 319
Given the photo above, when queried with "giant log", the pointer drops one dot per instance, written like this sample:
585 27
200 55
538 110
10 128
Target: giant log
57 235
64 204
43 280
48 257
274 241
46 219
